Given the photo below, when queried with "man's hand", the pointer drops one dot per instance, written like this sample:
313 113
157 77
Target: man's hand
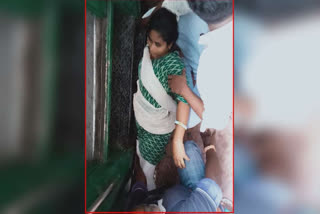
208 137
179 154
178 83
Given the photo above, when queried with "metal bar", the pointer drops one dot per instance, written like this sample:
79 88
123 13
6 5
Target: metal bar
101 198
90 114
108 78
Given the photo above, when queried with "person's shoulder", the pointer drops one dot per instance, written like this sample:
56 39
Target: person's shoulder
174 64
174 61
174 55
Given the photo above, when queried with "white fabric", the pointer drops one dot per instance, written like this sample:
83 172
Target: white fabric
178 7
148 13
148 169
161 207
215 76
152 119
153 85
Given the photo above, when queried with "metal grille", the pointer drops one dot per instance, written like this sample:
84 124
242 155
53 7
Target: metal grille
124 74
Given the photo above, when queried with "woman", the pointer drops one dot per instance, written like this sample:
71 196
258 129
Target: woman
158 111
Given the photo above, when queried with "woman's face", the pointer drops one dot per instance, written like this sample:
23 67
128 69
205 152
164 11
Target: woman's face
157 46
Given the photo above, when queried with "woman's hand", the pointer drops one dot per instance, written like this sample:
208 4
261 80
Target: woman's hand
179 154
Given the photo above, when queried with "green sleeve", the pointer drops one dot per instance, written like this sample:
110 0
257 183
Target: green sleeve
175 67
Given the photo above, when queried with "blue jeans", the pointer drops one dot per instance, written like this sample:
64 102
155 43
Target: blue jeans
195 193
195 168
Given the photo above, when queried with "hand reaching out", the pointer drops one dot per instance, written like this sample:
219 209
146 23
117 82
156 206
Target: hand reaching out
179 154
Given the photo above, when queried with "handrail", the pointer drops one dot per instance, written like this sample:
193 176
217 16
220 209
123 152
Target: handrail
101 198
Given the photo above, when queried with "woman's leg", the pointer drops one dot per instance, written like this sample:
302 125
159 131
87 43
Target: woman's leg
148 169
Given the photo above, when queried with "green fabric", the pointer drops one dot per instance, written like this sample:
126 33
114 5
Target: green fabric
152 146
126 8
98 8
170 64
23 8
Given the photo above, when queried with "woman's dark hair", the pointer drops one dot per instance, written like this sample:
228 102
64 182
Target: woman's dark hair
165 23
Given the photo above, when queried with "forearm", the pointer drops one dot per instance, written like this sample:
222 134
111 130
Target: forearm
194 101
178 151
213 169
182 116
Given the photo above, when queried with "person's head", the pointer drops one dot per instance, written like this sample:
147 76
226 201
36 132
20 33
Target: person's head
213 12
162 33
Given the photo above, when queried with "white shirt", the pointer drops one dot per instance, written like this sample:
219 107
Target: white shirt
215 77
178 7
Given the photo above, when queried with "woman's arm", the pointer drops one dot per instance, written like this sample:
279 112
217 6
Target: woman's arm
178 85
179 153
194 101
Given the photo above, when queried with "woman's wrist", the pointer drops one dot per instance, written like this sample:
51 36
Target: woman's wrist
177 122
177 140
179 133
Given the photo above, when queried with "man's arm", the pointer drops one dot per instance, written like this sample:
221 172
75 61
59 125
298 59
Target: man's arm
178 85
213 168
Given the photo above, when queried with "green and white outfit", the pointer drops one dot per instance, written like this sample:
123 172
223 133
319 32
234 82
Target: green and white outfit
155 109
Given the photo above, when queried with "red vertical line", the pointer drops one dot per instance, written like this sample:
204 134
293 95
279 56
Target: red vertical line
85 106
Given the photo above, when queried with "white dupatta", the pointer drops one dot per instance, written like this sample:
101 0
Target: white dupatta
152 119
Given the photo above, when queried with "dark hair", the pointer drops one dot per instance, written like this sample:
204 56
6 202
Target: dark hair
212 11
165 23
